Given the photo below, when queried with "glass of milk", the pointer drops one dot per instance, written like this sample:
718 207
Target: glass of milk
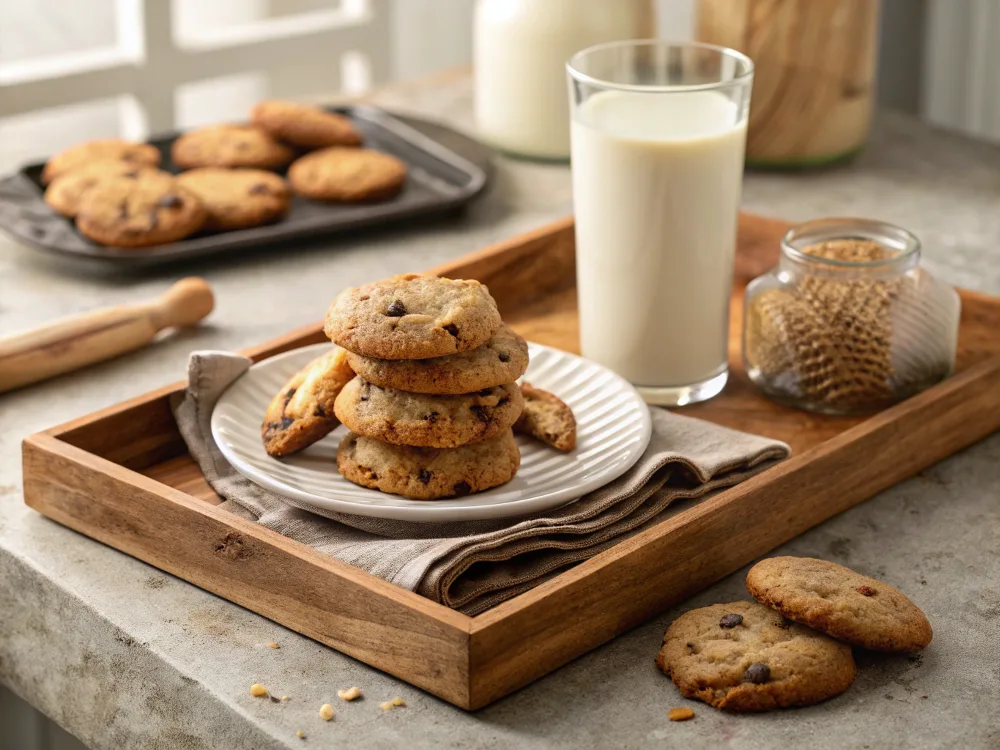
658 133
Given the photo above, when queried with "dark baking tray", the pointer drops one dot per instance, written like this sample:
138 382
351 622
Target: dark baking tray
446 170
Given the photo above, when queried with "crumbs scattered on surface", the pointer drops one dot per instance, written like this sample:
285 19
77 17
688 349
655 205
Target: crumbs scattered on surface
272 644
257 690
300 735
326 712
350 694
389 705
680 714
285 698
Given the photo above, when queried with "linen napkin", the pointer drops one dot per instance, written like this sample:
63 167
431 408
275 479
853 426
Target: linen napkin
474 565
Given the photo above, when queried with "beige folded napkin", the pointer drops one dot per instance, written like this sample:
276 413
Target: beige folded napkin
474 565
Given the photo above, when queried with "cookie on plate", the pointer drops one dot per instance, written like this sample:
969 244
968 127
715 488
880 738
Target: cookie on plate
547 418
237 198
66 191
746 657
139 212
347 174
302 412
428 473
413 317
114 149
229 145
431 421
841 603
304 125
502 359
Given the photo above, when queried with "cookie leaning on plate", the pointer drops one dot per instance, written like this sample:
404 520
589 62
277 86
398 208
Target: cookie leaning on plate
230 145
428 473
115 149
237 198
304 124
744 656
347 174
139 212
841 603
413 317
66 191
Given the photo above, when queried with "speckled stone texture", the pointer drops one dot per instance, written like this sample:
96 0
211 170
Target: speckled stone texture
128 657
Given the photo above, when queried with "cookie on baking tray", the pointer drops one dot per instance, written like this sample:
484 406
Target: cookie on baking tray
744 656
411 316
66 191
230 145
114 149
841 603
502 359
347 174
428 473
134 213
237 198
304 125
547 418
302 412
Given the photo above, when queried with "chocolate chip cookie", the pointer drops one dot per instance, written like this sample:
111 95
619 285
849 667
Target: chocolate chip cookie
432 421
139 212
500 360
237 198
413 317
746 657
302 412
230 145
114 149
841 603
66 191
547 418
347 174
304 124
428 473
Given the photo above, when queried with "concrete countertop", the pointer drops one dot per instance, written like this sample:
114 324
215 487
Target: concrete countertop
125 656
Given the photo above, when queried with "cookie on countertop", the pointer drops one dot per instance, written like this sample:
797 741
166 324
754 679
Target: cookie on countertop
502 359
347 174
115 149
304 125
841 603
744 656
431 421
230 145
139 212
546 417
413 317
428 473
66 191
237 198
302 412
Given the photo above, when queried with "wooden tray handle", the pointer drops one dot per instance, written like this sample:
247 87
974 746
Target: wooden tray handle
81 340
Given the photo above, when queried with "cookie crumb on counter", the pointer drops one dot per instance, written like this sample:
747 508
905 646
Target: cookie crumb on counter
272 644
257 690
680 714
389 705
300 735
285 698
326 712
350 694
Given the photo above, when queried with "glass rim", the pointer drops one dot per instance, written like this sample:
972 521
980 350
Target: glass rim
578 75
846 228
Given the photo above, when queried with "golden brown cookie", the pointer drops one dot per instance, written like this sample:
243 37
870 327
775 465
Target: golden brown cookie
744 656
304 125
500 360
66 191
114 149
139 212
302 412
428 473
841 603
230 145
547 418
347 175
237 198
413 317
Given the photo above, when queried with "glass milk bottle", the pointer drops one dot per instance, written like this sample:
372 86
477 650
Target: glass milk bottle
521 48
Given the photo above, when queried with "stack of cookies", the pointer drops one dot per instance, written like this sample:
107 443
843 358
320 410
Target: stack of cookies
435 398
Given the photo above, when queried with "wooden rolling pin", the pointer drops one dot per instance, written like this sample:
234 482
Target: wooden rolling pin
81 340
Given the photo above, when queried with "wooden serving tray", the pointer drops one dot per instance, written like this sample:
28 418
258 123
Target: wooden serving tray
123 477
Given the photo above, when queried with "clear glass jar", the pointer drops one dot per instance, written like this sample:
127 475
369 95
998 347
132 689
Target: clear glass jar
848 322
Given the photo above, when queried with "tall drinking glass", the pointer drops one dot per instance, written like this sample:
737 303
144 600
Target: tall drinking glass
658 138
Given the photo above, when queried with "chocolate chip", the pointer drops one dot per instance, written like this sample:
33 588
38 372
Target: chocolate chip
424 476
481 413
758 674
462 488
486 392
503 401
432 417
452 329
730 621
866 590
170 200
260 189
504 357
320 411
690 645
288 395
785 624
396 309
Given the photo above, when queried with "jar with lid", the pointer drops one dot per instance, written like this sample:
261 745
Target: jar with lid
519 60
848 322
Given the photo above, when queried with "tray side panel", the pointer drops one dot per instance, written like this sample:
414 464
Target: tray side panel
387 627
527 637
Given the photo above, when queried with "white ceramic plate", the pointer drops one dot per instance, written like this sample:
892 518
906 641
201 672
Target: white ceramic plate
613 429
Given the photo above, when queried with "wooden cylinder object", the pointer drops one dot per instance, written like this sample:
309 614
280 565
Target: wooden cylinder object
81 340
814 80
